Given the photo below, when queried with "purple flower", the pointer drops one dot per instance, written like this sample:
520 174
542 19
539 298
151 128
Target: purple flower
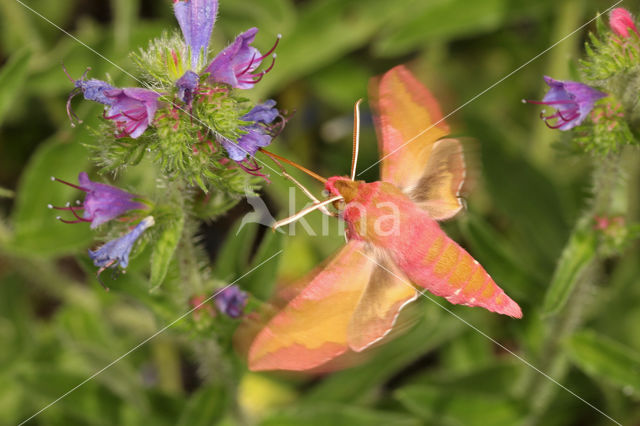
196 19
187 85
102 203
263 113
231 301
573 101
235 65
116 252
259 134
132 110
93 90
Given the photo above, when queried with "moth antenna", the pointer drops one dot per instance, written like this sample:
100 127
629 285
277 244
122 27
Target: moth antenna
304 212
296 165
356 138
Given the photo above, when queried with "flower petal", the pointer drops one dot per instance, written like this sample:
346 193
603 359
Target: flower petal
236 62
621 21
187 85
231 301
105 202
116 252
196 19
132 109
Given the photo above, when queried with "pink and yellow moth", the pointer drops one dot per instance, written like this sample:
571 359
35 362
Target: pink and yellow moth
354 300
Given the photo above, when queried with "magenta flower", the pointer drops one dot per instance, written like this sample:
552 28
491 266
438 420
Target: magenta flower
132 110
236 64
573 101
102 203
259 133
621 21
196 19
116 252
231 301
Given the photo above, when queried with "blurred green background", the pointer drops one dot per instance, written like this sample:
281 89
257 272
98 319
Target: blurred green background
58 327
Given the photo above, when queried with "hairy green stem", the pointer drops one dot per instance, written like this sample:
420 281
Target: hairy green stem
167 359
609 196
188 257
538 389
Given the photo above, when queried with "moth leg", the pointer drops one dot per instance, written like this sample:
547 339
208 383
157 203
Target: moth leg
304 212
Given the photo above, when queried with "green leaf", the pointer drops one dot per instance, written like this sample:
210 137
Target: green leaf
336 414
37 232
164 248
432 404
206 406
12 77
499 256
340 83
444 19
329 29
264 278
234 254
576 257
607 360
494 379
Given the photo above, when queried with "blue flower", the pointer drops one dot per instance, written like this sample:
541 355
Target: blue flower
259 132
196 19
187 85
102 203
92 89
236 64
231 301
116 252
573 102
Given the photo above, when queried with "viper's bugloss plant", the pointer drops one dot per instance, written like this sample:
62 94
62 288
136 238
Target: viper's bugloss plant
603 108
192 118
190 107
177 143
601 118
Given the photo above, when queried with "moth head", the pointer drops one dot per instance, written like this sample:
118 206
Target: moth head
342 186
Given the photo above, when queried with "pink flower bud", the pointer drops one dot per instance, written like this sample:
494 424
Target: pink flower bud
621 21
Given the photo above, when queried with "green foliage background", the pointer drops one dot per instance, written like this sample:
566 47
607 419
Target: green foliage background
58 327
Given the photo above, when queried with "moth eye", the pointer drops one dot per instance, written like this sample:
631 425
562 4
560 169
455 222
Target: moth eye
325 193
